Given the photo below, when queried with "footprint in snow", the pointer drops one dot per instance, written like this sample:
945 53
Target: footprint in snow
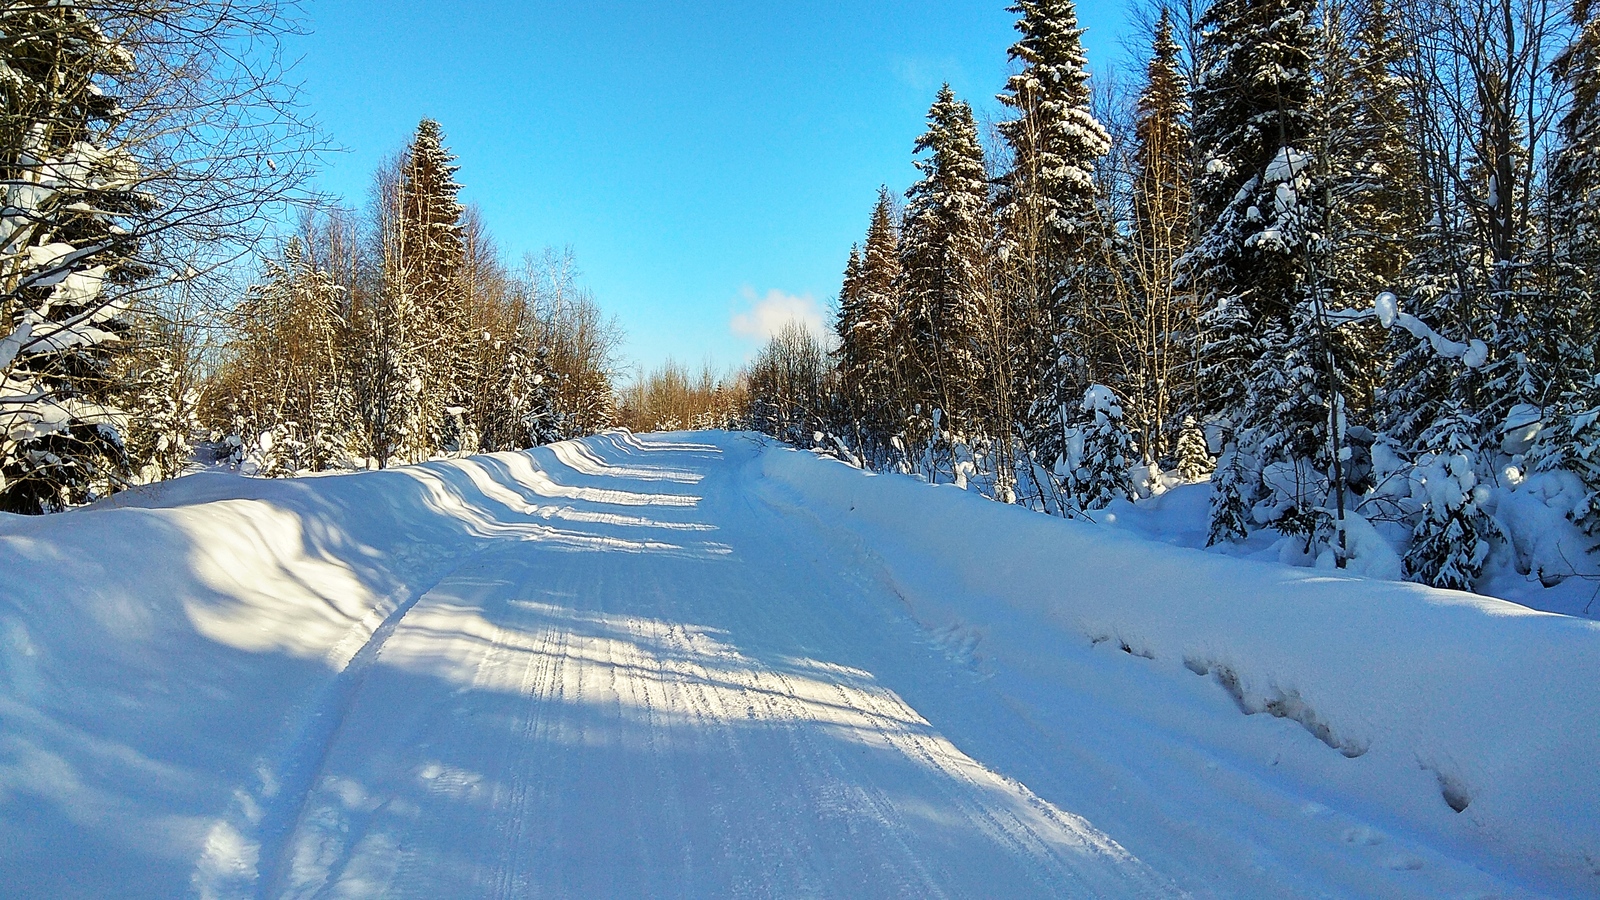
1404 863
1364 836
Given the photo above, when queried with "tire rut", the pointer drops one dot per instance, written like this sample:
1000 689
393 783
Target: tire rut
291 782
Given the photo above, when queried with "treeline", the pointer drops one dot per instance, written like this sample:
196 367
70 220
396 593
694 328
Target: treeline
671 398
1343 251
402 336
147 151
784 391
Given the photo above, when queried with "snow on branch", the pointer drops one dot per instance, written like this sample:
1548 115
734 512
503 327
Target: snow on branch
1386 310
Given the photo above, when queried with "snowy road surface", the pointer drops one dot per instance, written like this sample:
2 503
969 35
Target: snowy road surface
642 667
665 718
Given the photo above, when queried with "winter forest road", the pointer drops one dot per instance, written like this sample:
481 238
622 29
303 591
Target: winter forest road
703 665
674 690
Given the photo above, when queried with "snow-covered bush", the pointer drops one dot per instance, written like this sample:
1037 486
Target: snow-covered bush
1194 457
1101 473
1573 445
1450 542
1232 491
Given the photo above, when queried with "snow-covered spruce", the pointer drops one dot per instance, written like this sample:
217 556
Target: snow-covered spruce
1194 457
65 262
1109 453
943 247
1451 541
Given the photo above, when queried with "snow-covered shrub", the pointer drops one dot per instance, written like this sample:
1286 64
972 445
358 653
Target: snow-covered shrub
1573 445
1194 458
1364 550
1108 453
1450 542
1232 490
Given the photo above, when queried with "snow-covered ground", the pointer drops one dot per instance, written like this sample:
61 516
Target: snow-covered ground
696 665
1543 541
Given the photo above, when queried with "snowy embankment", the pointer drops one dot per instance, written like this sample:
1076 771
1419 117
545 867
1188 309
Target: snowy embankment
154 660
1472 720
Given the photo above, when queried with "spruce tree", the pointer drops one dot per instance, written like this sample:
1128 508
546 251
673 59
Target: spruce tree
844 325
880 328
1052 237
869 363
944 278
1194 457
1046 203
1451 540
430 233
66 259
1258 199
431 221
1254 126
1109 453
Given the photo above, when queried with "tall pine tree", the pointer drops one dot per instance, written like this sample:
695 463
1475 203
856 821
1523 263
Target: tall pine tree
1052 236
870 363
1258 202
430 234
944 280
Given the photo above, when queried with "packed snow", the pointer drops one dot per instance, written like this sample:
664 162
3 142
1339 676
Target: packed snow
706 665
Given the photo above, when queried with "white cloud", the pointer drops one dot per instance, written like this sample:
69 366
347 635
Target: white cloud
764 317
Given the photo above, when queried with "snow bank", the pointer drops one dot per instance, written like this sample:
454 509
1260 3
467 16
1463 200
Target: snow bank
162 649
1450 713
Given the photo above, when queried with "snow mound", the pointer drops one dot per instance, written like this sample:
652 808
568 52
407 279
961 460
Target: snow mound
164 647
1495 703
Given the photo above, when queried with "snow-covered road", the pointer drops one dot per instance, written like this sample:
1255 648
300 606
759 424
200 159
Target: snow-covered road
682 714
642 667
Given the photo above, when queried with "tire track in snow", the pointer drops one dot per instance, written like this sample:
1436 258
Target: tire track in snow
968 785
544 684
866 792
613 709
270 820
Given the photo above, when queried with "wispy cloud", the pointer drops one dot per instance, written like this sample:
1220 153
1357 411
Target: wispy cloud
763 317
924 74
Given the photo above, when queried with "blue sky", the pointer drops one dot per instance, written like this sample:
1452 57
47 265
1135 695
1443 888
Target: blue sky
710 164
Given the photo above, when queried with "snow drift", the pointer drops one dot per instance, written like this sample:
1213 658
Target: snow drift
1458 715
160 650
